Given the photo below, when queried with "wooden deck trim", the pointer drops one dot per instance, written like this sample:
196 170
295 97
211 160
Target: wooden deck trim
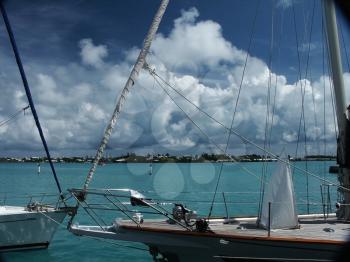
232 236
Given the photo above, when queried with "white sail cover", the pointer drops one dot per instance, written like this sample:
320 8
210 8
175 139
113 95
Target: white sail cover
280 194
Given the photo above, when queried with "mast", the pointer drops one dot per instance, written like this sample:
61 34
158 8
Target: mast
343 151
129 83
28 93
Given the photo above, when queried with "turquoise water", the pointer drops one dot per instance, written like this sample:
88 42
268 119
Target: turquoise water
191 183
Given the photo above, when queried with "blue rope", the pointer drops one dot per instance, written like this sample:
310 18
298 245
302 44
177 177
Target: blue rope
28 93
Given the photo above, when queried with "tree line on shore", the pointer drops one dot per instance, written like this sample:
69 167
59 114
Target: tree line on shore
166 158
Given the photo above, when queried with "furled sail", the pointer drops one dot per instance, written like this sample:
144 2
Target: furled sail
280 193
130 82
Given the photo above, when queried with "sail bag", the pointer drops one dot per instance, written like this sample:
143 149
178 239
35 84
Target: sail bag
280 193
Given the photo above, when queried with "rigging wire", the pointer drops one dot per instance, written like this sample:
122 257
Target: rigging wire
317 135
324 96
302 118
153 74
236 103
267 118
244 139
276 78
298 78
13 116
344 46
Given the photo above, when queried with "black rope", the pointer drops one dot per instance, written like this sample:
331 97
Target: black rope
28 93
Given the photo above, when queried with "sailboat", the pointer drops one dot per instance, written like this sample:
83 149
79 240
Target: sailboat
277 234
31 226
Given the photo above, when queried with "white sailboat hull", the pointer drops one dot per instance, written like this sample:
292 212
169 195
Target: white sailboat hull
22 229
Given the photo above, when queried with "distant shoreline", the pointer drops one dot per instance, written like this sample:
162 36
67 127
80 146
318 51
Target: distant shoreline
164 158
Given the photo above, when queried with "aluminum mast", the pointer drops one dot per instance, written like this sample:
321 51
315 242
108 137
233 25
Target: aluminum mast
343 120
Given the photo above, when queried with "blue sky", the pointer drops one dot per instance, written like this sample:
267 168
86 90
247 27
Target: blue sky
77 55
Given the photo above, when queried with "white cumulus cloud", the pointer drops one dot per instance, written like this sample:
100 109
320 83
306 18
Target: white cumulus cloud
91 54
76 100
192 44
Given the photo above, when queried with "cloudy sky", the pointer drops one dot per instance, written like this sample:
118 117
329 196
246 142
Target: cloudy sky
78 54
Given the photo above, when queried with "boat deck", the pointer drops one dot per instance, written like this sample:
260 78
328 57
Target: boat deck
17 210
236 239
11 210
311 228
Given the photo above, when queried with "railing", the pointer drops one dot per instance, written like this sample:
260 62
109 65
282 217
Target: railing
129 203
106 205
326 200
44 199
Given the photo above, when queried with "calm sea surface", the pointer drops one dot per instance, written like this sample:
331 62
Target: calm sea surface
190 183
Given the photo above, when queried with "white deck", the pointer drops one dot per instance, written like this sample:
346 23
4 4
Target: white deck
14 210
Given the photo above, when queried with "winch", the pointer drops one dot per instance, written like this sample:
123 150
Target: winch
182 213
